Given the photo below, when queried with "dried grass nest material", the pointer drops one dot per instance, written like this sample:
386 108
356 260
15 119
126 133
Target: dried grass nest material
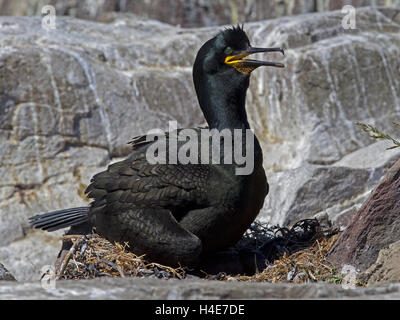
297 255
92 256
306 265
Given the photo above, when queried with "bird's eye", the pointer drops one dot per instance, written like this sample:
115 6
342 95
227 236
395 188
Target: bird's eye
228 50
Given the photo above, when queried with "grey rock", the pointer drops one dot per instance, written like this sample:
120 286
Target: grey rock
71 99
337 190
187 13
28 257
5 275
375 155
145 289
312 105
60 122
324 5
313 190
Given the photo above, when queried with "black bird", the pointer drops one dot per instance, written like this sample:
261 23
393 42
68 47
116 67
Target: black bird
173 213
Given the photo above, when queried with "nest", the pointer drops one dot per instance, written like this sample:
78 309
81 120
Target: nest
306 265
275 241
92 256
295 255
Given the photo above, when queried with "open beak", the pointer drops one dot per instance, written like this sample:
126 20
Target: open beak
246 66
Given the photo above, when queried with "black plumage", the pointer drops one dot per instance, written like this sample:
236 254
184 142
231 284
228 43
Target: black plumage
173 213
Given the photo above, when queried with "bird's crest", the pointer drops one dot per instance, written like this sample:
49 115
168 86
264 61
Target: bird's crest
235 34
236 28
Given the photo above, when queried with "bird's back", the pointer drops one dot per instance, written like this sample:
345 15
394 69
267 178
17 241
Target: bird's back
208 200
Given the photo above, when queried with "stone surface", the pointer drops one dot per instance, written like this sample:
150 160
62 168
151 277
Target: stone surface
375 226
187 13
150 289
60 122
28 257
5 275
386 268
71 99
338 190
313 103
375 155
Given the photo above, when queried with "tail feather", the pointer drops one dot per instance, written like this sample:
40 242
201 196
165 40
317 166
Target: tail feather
56 218
65 225
45 225
59 219
61 212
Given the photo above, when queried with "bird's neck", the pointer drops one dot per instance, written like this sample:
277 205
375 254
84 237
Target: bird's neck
223 107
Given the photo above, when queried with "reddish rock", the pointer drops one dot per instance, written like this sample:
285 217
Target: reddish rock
373 227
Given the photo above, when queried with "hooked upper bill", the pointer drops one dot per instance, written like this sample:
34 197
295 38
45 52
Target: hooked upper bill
246 66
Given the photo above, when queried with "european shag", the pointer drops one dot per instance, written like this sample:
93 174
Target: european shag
173 213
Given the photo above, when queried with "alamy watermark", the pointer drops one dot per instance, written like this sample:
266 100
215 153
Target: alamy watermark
48 279
202 146
349 21
49 19
350 274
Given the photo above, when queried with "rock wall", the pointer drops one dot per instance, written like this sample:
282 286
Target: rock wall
374 227
71 99
153 289
336 190
187 13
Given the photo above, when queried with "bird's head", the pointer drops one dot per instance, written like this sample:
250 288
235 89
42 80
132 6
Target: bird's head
221 75
228 52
